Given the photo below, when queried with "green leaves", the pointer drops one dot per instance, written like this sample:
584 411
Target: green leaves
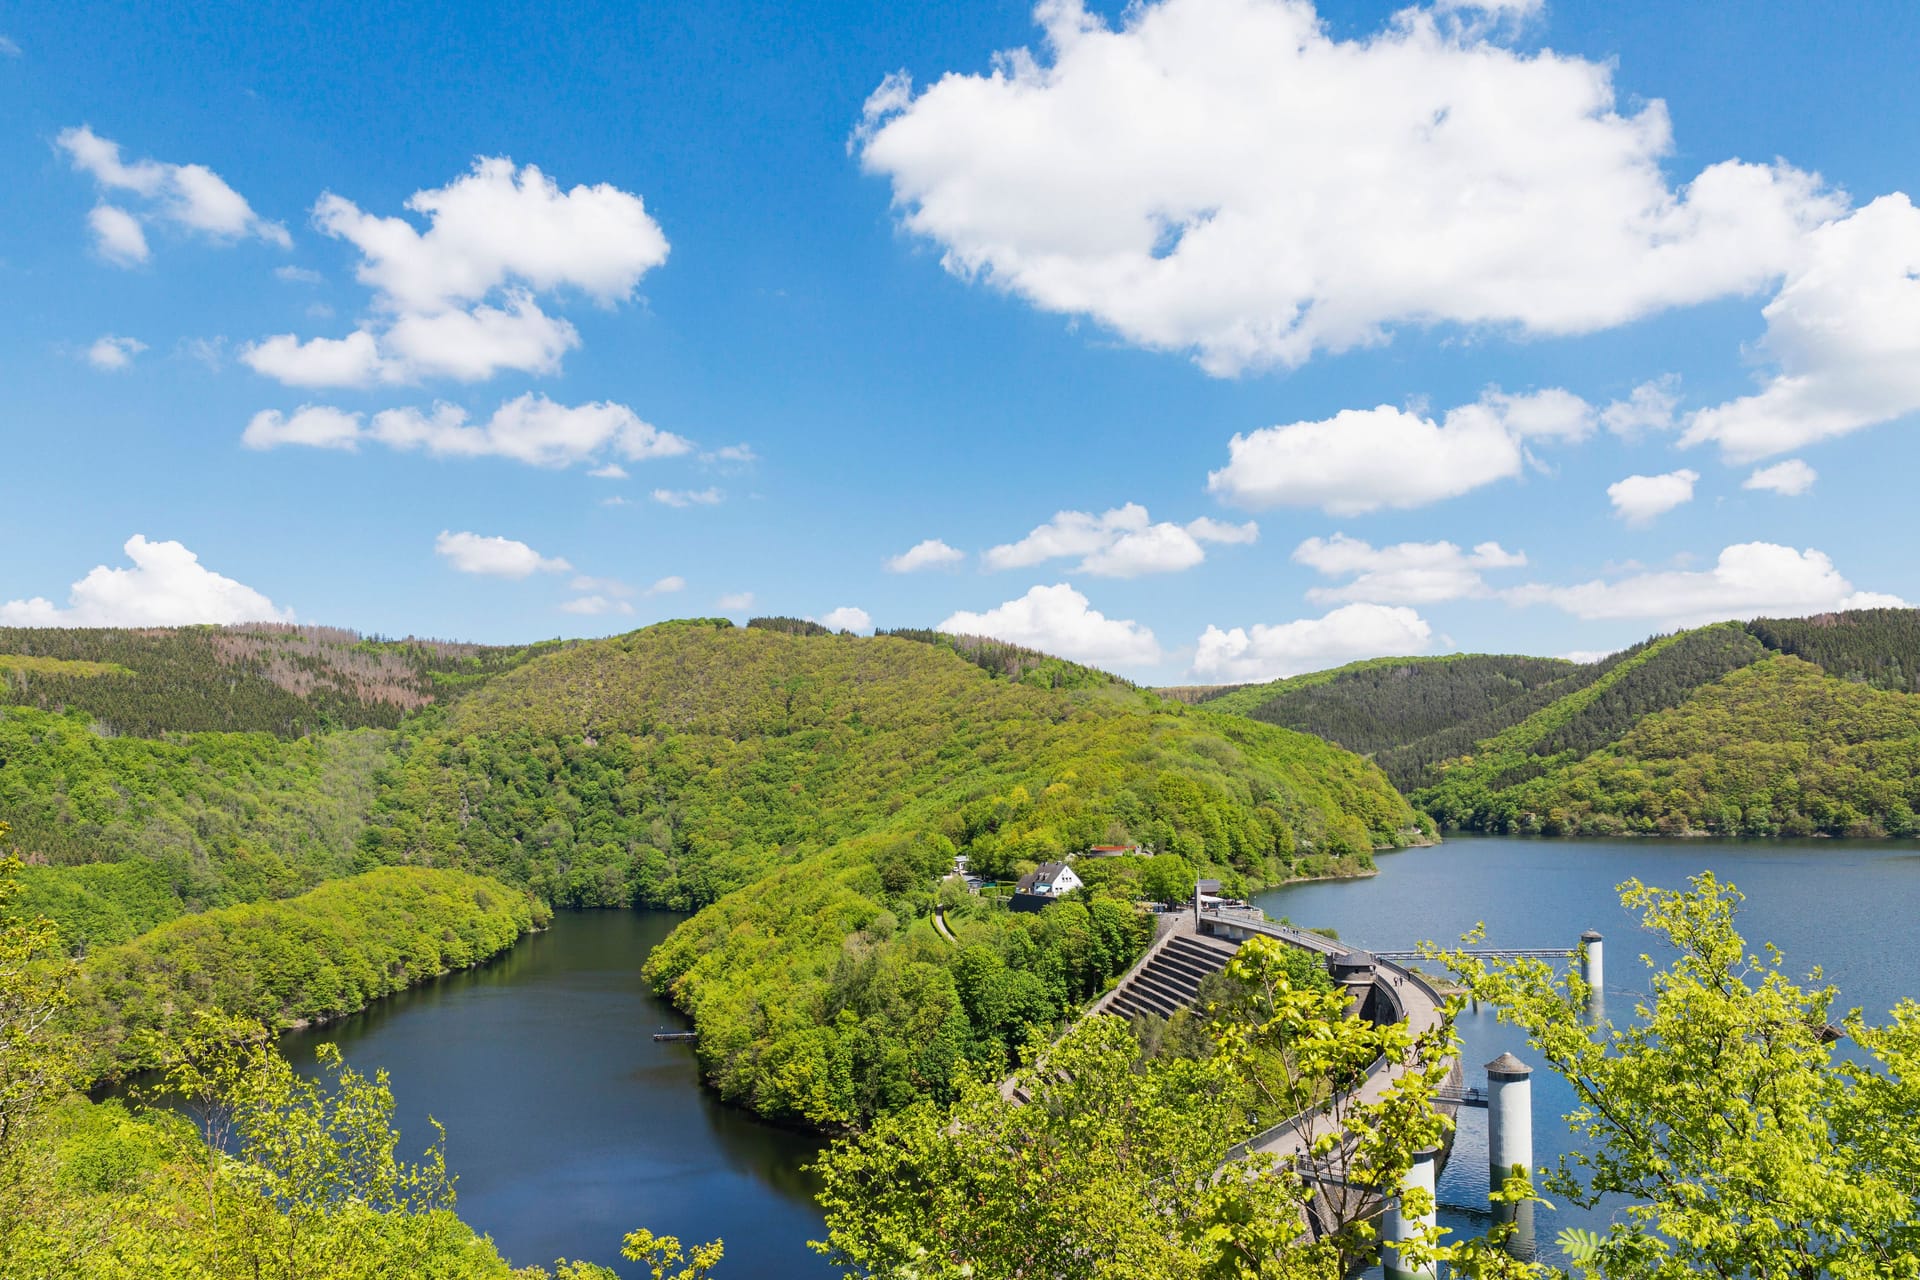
1743 1144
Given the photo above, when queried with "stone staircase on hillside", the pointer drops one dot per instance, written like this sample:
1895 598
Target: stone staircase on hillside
1170 979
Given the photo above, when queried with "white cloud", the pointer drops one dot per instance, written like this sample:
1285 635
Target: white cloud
298 275
352 361
600 586
689 497
736 602
594 606
1404 573
1348 633
1789 479
1208 529
166 587
610 471
495 557
1058 620
667 585
1844 331
1640 500
731 454
316 426
1586 657
1228 178
189 196
848 618
117 235
111 353
496 233
530 429
1751 579
1649 408
1120 543
1360 460
930 554
9 47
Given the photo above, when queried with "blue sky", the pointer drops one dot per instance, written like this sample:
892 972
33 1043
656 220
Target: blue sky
828 282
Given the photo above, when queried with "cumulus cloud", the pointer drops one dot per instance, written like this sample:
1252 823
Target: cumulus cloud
458 300
495 557
166 586
930 554
1227 177
1351 632
190 197
736 601
118 236
1059 620
298 275
1361 460
1751 579
1404 573
1586 657
112 354
1789 479
1120 543
1844 332
592 606
689 497
667 585
314 426
848 618
530 429
596 586
1640 500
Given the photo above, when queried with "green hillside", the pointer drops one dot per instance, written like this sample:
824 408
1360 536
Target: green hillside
809 790
259 678
122 833
1778 726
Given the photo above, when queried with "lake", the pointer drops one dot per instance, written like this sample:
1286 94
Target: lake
569 1126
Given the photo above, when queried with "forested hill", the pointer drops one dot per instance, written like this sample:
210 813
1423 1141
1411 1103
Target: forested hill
261 678
809 791
1777 726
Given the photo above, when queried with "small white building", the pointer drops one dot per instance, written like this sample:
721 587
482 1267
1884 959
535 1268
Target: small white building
1049 880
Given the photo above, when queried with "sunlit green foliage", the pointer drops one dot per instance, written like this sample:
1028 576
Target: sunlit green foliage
1776 748
1114 1168
1726 729
814 789
1743 1139
128 832
673 765
315 957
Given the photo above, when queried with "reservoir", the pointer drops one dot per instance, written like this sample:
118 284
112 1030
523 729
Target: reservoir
568 1126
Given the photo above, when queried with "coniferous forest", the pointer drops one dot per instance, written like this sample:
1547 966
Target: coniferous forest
1798 726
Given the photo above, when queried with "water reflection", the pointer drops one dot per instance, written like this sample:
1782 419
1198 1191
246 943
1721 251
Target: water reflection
567 1124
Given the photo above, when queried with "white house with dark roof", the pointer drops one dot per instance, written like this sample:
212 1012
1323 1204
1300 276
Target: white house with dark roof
1048 880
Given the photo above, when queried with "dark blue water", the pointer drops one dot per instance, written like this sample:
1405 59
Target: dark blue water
567 1125
1845 907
